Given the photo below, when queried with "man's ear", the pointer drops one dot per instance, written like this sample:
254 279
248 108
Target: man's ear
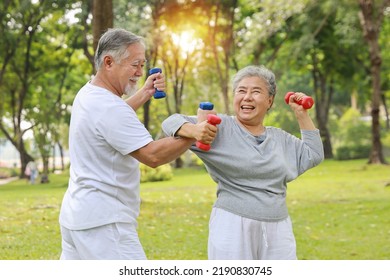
108 61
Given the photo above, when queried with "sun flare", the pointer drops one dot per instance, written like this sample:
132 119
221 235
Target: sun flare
185 40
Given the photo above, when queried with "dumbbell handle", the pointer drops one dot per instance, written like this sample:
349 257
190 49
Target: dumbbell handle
307 102
158 93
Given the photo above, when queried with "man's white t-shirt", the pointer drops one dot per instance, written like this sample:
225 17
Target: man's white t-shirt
104 179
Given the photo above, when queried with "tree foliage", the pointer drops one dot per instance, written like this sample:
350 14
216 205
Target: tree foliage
321 48
35 86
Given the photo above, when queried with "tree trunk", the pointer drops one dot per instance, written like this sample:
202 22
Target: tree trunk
371 20
383 97
152 52
102 19
179 162
325 136
53 163
24 159
87 10
224 24
61 156
323 98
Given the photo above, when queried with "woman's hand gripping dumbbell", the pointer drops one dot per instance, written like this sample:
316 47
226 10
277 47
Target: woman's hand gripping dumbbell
306 101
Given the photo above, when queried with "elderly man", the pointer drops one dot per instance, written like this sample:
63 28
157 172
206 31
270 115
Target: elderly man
106 143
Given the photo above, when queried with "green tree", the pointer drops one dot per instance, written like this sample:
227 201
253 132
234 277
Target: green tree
33 86
20 23
221 23
371 18
325 47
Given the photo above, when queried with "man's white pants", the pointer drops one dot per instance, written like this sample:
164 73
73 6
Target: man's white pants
232 237
117 241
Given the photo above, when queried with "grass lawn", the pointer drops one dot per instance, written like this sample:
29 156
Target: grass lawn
340 211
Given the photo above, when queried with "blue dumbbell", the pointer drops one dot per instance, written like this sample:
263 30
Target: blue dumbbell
158 94
206 105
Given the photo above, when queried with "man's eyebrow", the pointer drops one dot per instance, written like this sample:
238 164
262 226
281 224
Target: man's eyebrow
139 61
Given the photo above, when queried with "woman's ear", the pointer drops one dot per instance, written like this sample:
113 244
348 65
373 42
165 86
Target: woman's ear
271 101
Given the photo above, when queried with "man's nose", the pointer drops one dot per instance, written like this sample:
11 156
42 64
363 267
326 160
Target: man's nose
139 71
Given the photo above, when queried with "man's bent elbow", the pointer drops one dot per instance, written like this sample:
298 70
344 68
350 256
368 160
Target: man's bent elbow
154 164
152 161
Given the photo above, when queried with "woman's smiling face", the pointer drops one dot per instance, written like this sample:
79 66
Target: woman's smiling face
252 100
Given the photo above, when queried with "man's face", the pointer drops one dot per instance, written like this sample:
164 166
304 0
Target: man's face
127 72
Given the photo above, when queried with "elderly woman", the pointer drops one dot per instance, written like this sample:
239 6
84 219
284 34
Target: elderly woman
252 164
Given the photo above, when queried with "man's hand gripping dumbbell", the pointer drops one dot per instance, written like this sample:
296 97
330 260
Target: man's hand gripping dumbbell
206 112
204 130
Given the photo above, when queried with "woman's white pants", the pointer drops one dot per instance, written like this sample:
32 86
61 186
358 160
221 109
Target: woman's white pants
232 237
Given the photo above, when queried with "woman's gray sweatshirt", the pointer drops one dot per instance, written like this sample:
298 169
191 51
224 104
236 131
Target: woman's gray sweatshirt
252 172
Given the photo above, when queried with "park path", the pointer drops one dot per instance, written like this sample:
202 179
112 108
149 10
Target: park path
7 180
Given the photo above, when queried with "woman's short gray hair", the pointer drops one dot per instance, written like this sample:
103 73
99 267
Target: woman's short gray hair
115 42
256 71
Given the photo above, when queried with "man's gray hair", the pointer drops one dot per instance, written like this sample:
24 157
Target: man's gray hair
115 42
256 71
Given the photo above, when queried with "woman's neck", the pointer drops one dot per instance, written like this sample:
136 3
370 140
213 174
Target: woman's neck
255 130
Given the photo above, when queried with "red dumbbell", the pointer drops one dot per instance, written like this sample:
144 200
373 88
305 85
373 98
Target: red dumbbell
307 102
211 119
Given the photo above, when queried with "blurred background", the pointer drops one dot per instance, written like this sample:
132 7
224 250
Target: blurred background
335 51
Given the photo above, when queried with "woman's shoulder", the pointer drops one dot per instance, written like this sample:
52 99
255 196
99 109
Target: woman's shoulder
226 118
276 131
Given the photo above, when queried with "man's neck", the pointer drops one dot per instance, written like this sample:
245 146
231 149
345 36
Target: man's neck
101 82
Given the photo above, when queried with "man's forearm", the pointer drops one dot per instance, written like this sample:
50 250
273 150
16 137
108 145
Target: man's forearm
137 100
186 130
162 151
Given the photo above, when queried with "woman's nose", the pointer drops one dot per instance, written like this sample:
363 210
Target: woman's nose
248 95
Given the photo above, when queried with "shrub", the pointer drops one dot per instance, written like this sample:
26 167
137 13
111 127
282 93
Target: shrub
352 152
351 137
8 172
161 173
386 143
